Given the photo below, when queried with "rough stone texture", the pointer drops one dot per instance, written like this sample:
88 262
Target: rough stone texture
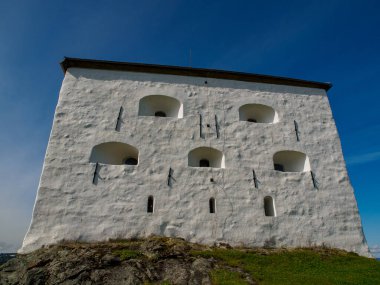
70 207
160 261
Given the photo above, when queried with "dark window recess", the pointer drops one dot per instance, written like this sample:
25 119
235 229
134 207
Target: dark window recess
208 125
212 205
278 167
252 120
269 207
150 204
160 114
204 163
130 161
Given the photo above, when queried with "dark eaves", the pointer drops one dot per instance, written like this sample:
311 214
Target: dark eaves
189 71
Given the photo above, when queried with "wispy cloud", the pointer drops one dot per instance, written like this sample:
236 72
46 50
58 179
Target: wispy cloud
363 158
375 250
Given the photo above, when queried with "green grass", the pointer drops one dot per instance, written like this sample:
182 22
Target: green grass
299 266
227 277
126 254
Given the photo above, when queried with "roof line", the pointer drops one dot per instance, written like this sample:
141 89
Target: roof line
69 62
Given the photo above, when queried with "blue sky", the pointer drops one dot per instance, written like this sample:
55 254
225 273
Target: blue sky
330 41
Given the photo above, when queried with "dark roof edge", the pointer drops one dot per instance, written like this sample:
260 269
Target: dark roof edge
189 71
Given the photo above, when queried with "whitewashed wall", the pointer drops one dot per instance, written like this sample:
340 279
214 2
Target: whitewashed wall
70 207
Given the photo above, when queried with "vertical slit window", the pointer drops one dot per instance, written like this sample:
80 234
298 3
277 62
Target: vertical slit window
200 126
212 205
150 204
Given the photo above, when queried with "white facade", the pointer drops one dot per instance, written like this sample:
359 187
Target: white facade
279 208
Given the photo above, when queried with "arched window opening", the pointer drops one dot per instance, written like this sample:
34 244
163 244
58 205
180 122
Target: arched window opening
257 113
212 205
115 153
269 208
160 114
206 157
291 161
130 161
204 163
150 204
160 106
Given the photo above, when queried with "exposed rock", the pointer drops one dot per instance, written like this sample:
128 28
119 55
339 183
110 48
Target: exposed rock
161 260
154 260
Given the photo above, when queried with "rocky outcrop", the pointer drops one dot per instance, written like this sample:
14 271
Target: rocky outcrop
150 261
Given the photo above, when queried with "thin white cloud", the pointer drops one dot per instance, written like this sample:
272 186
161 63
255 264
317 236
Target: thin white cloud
363 158
375 250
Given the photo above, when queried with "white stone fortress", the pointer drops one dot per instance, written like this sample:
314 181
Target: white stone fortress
207 155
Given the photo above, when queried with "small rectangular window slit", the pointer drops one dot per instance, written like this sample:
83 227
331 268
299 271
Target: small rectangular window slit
117 127
255 180
314 179
150 204
170 176
217 127
296 129
95 173
200 126
212 205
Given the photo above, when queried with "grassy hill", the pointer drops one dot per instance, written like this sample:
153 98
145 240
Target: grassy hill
158 260
297 266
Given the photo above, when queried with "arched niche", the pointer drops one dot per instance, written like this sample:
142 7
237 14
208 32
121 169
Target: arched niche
198 157
269 207
160 106
115 153
258 113
291 161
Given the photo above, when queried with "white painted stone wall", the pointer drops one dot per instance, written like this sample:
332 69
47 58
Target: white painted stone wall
70 207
